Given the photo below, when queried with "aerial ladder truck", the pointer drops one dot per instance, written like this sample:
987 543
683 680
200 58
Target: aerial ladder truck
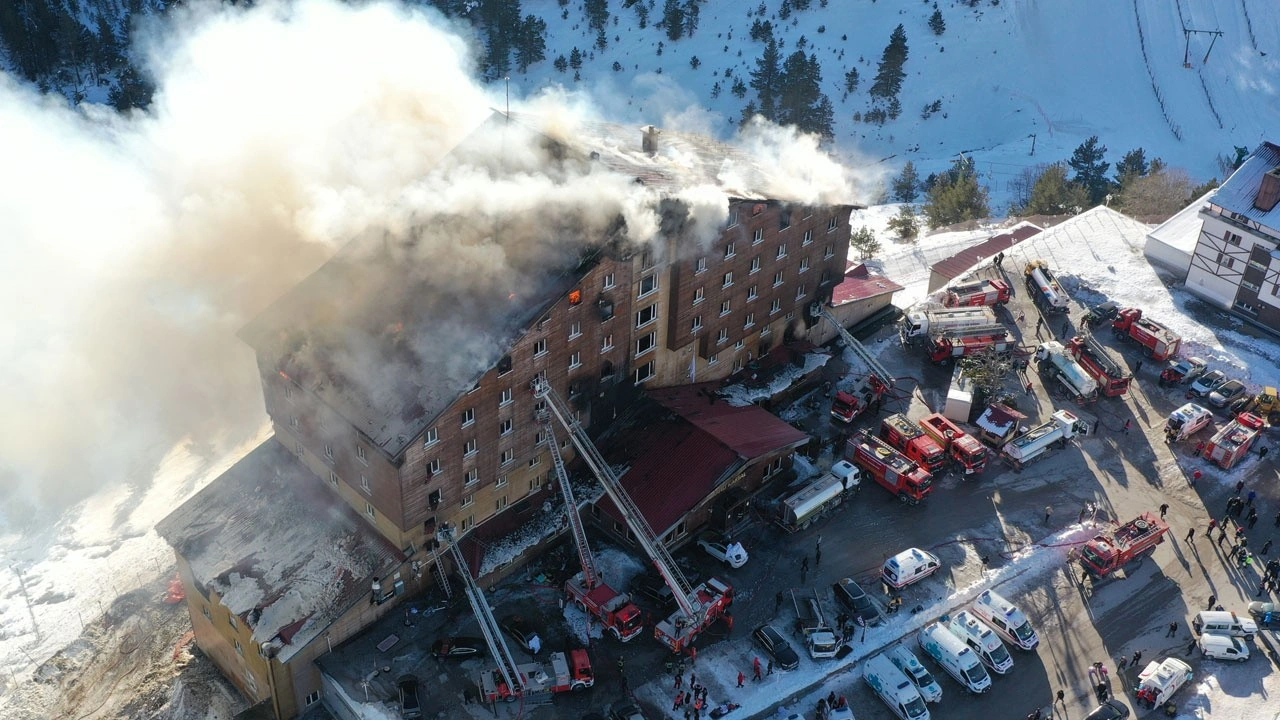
587 589
868 387
697 608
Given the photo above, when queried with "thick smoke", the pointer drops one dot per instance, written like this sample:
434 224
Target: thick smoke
135 247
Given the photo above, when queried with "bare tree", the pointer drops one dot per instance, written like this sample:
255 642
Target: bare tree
1158 195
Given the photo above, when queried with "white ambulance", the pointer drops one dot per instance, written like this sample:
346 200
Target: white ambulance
894 689
1006 619
977 635
958 659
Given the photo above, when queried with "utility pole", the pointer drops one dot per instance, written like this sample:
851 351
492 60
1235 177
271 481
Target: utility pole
1186 53
22 583
1033 143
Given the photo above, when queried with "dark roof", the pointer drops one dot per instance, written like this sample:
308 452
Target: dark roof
859 284
1239 191
963 261
750 431
282 551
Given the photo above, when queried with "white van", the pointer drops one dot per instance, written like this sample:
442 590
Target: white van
979 636
894 689
1223 647
909 566
1221 622
958 659
906 661
1006 619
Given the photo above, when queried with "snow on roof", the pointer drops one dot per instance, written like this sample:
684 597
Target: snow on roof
999 419
245 538
1183 229
859 284
1239 191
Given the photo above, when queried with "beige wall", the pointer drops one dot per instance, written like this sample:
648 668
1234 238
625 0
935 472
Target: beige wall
849 314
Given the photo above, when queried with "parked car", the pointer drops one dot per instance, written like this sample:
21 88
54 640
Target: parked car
1207 383
771 641
649 585
459 648
522 631
856 600
1100 313
626 711
410 703
1182 371
1227 392
1265 614
1110 710
727 551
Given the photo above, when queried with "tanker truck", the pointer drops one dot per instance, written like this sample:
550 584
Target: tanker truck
1054 361
920 322
1038 441
1045 289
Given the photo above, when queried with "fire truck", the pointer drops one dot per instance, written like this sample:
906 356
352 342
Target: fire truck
978 294
587 589
1157 341
1038 441
1046 292
920 323
1055 363
895 473
966 450
952 345
1113 380
907 437
1110 551
1232 443
865 385
697 608
535 682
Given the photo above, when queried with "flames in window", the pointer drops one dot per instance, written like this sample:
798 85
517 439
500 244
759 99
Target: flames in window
575 297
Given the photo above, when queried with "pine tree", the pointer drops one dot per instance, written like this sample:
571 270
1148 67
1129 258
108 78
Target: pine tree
673 19
531 42
865 242
1052 194
1132 165
1091 169
801 101
936 23
906 186
956 196
561 64
890 74
575 58
766 79
851 81
597 14
691 11
905 224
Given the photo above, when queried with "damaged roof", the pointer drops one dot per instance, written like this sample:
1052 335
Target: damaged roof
750 431
963 261
282 552
1238 193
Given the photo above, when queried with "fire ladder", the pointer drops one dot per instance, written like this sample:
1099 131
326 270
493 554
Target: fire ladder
680 589
441 574
498 648
590 573
869 361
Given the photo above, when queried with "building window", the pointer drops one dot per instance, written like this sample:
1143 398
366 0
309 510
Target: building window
752 293
800 292
207 615
299 450
360 453
646 260
644 372
828 252
775 306
231 620
1232 238
288 390
755 265
505 426
808 237
758 237
733 215
575 329
508 456
501 481
715 358
471 478
239 648
648 284
575 360
645 343
333 478
700 265
501 504
782 251
606 343
750 321
826 275
739 345
647 315
737 365
364 483
832 224
766 331
723 336
328 451
728 280
804 264
313 698
505 397
1227 262
536 460
293 422
370 511
468 500
431 438
469 448
535 483
729 250
699 294
540 348
784 219
468 416
1248 285
467 523
777 278
433 467
608 281
725 307
697 323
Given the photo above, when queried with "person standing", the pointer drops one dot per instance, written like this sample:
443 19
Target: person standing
742 677
1199 448
1253 495
1062 698
1137 656
804 569
770 671
1137 366
1164 510
680 700
1239 486
756 666
1127 424
1191 535
1048 512
1253 517
817 556
1266 548
777 600
1262 451
1212 599
1028 386
1195 477
1173 630
1207 533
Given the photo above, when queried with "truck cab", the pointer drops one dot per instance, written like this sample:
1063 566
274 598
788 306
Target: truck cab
968 453
910 440
1106 553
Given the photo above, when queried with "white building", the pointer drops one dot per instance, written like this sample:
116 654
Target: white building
1236 265
1171 244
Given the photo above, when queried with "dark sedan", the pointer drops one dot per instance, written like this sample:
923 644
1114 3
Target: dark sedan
458 648
771 641
1109 710
851 595
410 704
522 631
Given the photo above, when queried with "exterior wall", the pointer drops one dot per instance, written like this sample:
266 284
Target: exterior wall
1170 258
849 314
217 638
1233 267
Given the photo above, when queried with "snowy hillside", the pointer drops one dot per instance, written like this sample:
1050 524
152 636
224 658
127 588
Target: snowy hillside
1062 70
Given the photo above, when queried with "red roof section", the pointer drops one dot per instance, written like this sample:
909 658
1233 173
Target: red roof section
959 264
749 431
860 284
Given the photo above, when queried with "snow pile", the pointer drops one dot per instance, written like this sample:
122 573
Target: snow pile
741 395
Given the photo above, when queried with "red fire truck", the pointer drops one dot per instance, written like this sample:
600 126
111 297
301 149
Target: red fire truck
1157 341
847 405
1110 551
977 294
895 473
1113 380
1232 442
966 450
907 437
559 674
950 346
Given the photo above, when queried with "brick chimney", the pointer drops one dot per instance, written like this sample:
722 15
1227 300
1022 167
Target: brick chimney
649 139
1268 191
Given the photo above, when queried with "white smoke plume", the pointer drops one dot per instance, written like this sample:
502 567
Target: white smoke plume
135 247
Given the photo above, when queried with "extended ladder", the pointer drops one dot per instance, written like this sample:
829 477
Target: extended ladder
484 616
442 575
590 573
870 363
